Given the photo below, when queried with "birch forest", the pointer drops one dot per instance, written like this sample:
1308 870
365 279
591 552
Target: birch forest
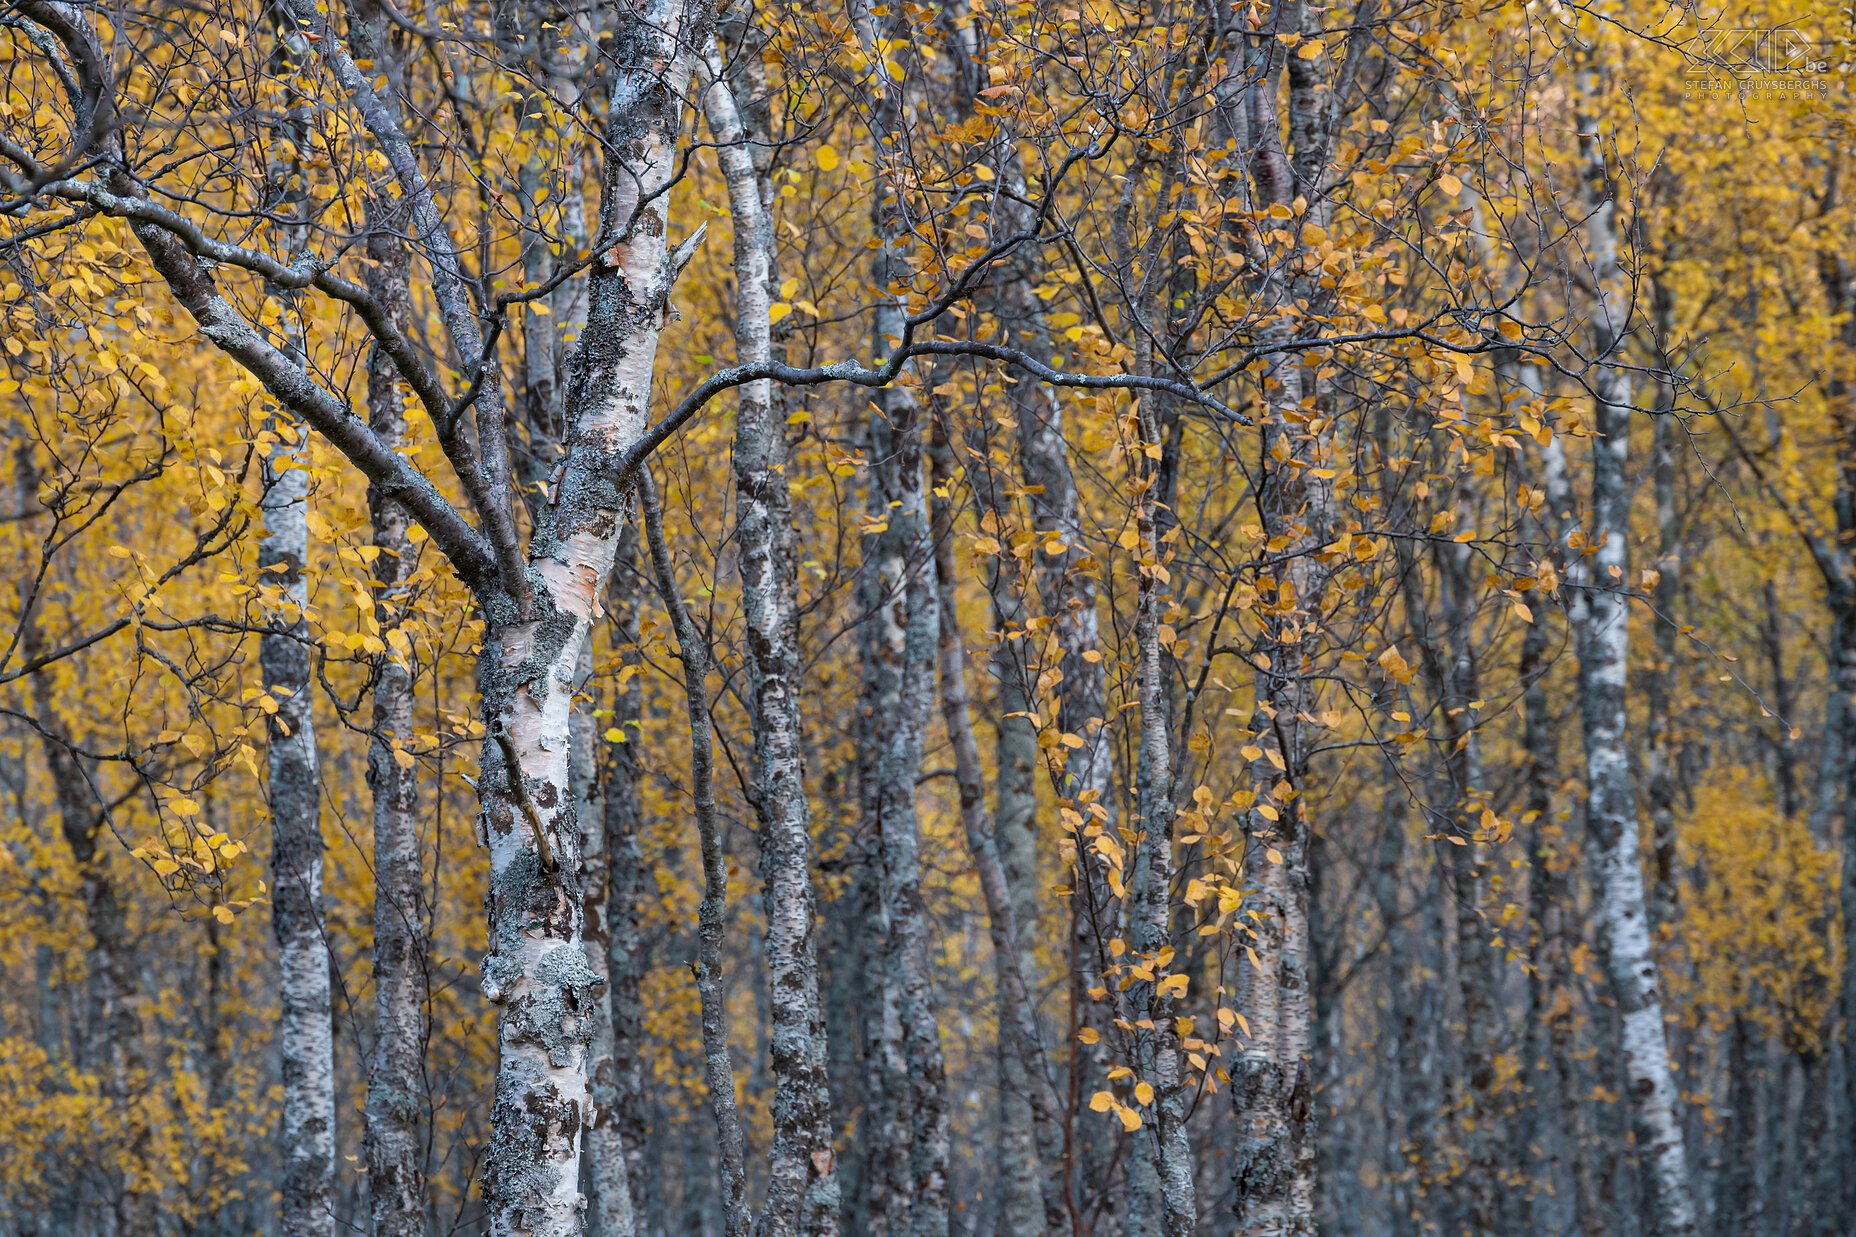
927 618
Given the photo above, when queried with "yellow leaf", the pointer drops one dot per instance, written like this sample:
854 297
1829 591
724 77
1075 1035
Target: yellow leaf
1088 1035
777 311
1527 615
1275 855
223 914
1144 1092
1450 184
1310 50
827 158
1101 1101
1130 1120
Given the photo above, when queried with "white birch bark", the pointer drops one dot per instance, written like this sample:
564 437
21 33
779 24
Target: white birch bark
305 1034
536 969
802 1189
305 1031
1604 654
395 1073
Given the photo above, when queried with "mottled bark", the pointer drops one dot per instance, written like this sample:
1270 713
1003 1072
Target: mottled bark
1408 1151
305 1035
802 1180
611 1207
395 1069
305 1032
718 1063
1604 648
616 1140
1157 1058
902 645
1272 1083
1447 653
536 969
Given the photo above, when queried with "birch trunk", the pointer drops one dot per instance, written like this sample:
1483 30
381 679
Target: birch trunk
396 1172
395 1068
802 1180
616 1138
1611 807
1273 1084
1156 1051
903 645
1018 1029
611 1204
1449 662
106 1031
536 969
305 1035
1067 580
718 1062
1842 587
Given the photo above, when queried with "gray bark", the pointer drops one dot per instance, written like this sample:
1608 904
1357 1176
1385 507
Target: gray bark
718 1063
802 1178
395 1068
616 1139
1019 1035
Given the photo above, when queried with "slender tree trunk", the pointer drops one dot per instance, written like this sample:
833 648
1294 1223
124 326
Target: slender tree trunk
1449 660
616 1138
305 1037
1407 1156
1611 806
1019 1034
718 1062
395 1071
903 645
106 1032
609 812
1272 1085
802 1182
306 1033
1155 1048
